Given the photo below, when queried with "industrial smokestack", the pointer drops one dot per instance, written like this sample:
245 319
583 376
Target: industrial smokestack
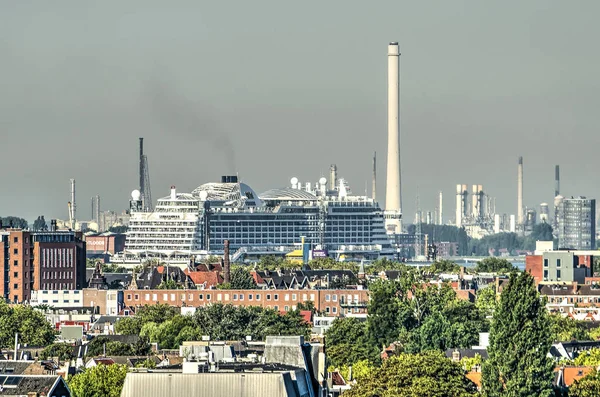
73 204
556 181
393 203
142 187
520 192
374 176
459 211
98 211
333 176
440 210
226 265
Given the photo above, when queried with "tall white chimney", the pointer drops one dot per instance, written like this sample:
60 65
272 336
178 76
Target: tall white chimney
73 204
459 206
520 192
440 210
393 202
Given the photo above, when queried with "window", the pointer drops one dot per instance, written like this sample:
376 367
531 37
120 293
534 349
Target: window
16 240
234 297
154 297
15 263
226 297
334 309
327 298
545 262
147 297
334 298
15 274
286 297
172 297
276 297
219 297
327 309
165 297
558 263
15 286
257 297
136 297
294 297
545 274
207 297
558 274
201 297
268 297
276 307
191 297
183 297
66 301
304 297
241 297
312 297
250 297
286 308
16 251
129 296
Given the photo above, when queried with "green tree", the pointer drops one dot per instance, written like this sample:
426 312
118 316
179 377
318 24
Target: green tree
118 229
409 375
566 329
13 222
63 351
520 338
33 328
147 363
240 279
588 386
385 313
40 223
347 342
170 284
494 265
443 266
129 326
588 358
487 300
99 381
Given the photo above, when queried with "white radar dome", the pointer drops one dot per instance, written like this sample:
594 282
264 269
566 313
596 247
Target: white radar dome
135 195
294 181
323 180
203 195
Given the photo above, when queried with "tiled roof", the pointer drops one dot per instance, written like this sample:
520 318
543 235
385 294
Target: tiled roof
571 374
209 279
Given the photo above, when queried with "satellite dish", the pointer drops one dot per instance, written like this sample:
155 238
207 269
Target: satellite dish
203 195
135 195
294 181
323 181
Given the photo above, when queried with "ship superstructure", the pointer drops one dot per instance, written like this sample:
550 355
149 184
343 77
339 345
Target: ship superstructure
329 218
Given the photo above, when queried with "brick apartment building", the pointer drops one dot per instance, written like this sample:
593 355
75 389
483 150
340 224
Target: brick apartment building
40 260
331 301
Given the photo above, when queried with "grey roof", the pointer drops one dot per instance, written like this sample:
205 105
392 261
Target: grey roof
218 384
14 367
42 384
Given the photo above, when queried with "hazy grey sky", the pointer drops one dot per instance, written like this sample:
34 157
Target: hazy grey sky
275 89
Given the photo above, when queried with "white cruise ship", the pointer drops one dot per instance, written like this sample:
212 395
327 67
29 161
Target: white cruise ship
332 220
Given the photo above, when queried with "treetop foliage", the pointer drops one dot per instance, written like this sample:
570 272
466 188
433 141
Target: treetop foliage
99 381
406 375
520 339
30 323
169 329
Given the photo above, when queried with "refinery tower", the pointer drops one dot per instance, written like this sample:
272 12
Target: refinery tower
393 201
